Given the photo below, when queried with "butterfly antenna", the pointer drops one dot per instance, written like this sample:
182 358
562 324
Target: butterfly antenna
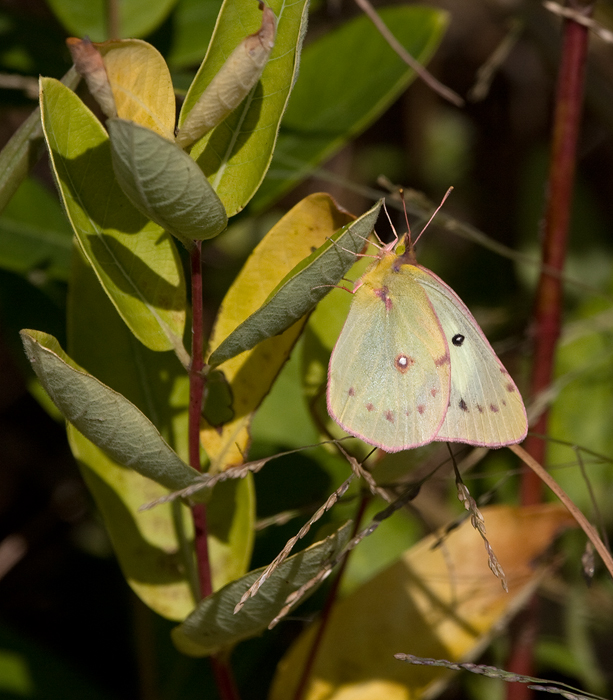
406 218
388 246
433 215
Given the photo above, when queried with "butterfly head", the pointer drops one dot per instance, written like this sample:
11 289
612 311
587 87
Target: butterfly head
406 249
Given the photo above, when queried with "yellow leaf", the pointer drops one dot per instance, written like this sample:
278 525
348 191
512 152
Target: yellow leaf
440 603
141 84
251 374
143 541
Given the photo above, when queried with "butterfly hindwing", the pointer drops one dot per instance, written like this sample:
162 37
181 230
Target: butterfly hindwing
485 407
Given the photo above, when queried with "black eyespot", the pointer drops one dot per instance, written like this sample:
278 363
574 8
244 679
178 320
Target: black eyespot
457 340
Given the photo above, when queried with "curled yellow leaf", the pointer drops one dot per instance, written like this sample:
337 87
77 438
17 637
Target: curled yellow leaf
230 86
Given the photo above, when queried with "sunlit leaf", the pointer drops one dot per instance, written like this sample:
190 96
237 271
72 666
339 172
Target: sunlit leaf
135 261
141 84
301 288
236 155
24 148
251 374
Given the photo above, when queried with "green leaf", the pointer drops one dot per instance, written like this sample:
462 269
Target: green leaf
164 183
105 417
214 626
584 380
193 24
136 17
154 547
34 233
335 98
136 262
236 154
301 288
25 148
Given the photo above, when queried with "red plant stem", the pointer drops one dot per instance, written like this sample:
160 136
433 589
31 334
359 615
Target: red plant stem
221 668
327 609
549 298
547 315
196 390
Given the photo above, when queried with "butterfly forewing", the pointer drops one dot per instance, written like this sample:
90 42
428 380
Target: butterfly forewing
389 380
485 407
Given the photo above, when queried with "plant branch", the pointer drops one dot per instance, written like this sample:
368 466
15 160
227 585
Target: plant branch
196 390
547 315
591 532
442 90
220 664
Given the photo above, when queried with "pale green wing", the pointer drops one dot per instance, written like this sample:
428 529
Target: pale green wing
485 406
388 379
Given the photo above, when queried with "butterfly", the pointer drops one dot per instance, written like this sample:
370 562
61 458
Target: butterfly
412 366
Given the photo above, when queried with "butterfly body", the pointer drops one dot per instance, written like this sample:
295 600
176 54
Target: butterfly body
412 365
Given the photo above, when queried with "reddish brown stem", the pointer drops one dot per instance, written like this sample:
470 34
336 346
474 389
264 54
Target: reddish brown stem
549 298
547 315
327 609
221 668
224 678
196 389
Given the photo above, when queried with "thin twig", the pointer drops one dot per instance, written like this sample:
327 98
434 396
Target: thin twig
584 523
486 73
442 90
569 13
207 481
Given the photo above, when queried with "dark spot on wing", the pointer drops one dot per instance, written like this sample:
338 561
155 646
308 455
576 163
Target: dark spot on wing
510 387
479 408
351 391
434 392
463 405
444 360
493 408
383 294
403 363
421 409
458 340
389 415
369 407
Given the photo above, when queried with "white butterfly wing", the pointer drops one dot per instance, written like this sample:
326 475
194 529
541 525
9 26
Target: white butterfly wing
388 379
485 406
